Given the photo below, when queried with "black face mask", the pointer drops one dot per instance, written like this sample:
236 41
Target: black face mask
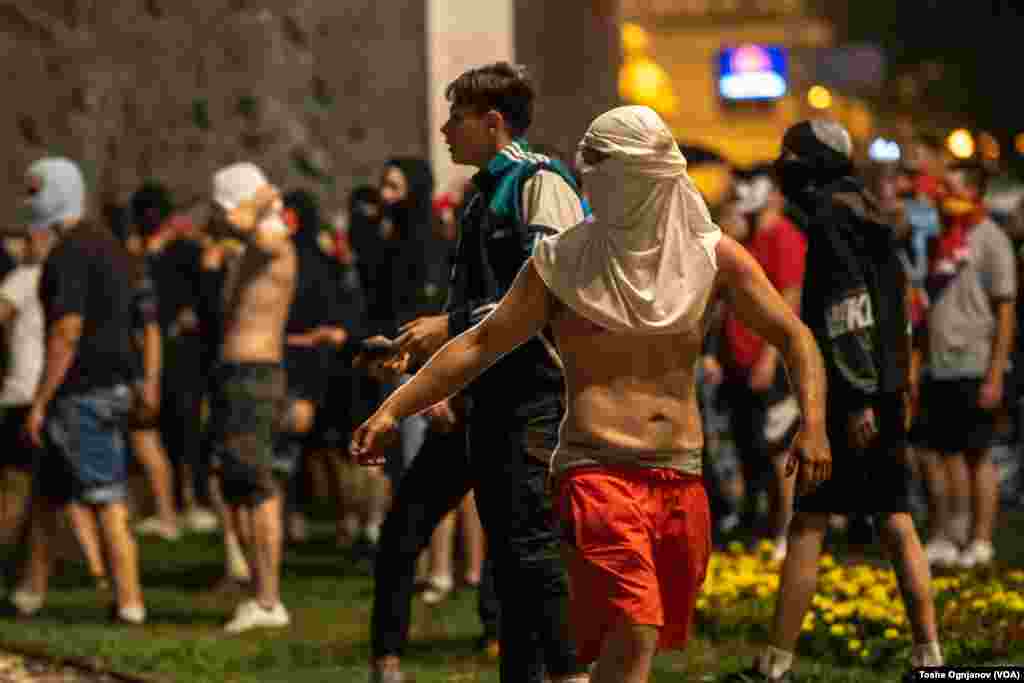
793 176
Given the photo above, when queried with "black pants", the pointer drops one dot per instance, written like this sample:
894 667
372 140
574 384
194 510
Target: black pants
184 387
525 548
433 486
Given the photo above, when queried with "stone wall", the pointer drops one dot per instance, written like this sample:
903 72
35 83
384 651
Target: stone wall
316 91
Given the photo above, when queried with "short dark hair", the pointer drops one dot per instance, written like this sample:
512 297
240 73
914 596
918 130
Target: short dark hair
975 175
504 87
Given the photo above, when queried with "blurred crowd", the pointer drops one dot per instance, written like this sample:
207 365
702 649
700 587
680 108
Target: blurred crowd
386 261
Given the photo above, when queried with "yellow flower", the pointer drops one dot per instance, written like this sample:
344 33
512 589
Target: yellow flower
763 591
854 645
829 617
979 605
826 562
702 603
891 634
865 654
808 624
837 630
765 547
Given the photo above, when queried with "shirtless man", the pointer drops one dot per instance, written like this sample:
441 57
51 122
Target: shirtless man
248 406
626 296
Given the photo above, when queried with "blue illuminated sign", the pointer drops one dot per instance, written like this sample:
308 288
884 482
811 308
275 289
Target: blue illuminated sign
752 72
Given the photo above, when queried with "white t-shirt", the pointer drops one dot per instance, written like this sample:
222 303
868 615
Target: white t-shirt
20 290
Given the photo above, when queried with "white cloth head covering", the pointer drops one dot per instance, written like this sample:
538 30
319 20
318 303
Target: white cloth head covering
646 262
239 182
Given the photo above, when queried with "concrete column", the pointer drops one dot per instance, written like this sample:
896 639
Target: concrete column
461 34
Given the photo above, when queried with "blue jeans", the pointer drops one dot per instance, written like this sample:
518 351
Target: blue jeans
85 455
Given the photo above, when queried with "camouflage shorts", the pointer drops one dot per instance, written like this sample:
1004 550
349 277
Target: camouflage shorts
245 415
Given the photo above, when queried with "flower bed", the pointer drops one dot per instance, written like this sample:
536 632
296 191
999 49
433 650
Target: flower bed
857 614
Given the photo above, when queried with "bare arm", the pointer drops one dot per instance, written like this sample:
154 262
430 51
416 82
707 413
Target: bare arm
520 315
763 309
1003 342
152 358
61 347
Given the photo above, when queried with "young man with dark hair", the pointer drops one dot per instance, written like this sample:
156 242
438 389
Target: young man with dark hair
516 406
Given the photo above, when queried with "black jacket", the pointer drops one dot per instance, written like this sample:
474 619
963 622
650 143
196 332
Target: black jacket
854 298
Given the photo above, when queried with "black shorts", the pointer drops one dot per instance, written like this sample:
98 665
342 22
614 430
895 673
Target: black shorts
869 481
17 450
951 419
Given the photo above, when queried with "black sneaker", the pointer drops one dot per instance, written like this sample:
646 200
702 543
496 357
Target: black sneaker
754 675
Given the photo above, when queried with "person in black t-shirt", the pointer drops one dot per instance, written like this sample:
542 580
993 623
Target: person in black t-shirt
86 290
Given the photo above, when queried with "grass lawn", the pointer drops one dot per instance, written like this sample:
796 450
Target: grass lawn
329 594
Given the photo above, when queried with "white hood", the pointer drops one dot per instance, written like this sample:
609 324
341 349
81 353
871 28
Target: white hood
646 262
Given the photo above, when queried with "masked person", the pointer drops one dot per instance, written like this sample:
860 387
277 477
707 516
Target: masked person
625 298
854 301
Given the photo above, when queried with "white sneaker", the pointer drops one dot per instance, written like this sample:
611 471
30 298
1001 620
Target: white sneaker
153 526
250 615
977 554
201 520
132 615
438 588
26 602
941 552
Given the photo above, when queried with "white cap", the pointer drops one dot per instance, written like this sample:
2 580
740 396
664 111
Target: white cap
234 184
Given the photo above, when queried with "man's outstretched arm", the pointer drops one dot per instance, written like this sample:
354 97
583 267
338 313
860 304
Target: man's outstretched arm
761 307
520 315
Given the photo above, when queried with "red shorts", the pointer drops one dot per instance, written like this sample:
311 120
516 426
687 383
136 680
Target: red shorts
641 539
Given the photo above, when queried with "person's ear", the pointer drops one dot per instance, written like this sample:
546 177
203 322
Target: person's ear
495 120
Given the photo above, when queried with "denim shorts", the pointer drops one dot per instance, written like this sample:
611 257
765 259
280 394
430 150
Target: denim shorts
84 459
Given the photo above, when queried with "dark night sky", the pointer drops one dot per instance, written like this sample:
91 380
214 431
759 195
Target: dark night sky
978 42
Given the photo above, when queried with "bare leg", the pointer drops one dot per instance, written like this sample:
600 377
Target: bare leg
123 553
959 479
781 495
266 551
472 539
904 549
441 548
984 479
938 494
86 529
799 578
150 453
378 503
42 532
626 655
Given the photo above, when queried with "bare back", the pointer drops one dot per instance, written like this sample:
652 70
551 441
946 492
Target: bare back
257 295
628 392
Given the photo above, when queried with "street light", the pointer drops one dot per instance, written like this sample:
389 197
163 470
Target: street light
961 143
819 97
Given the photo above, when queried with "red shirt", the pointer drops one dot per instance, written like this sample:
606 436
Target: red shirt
781 249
